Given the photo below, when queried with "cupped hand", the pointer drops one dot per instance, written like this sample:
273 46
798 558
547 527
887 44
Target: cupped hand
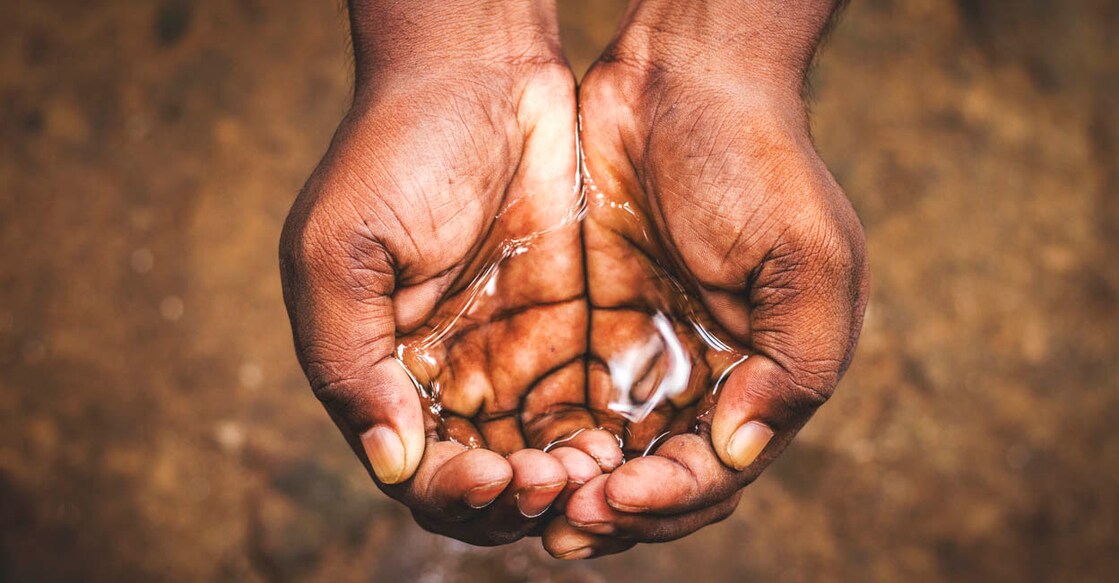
723 189
434 248
429 175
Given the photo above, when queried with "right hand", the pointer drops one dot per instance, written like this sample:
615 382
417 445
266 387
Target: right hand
379 248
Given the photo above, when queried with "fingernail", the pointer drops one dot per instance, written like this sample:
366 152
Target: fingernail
577 554
622 507
483 496
747 443
385 451
532 502
593 527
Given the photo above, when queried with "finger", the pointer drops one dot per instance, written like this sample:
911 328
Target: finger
758 412
601 445
494 513
581 468
453 483
344 344
687 474
806 299
588 511
389 419
537 479
684 475
566 542
380 416
587 508
649 528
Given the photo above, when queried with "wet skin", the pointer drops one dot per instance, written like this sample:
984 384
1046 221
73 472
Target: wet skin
724 176
432 171
401 210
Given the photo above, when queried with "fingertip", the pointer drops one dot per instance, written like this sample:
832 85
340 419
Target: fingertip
587 509
658 528
746 444
482 496
565 542
474 477
601 445
738 435
533 467
381 411
538 478
729 411
580 467
486 467
648 483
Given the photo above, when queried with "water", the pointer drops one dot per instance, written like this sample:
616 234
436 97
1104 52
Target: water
582 322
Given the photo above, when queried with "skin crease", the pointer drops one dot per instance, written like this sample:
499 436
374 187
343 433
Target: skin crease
399 215
749 213
717 156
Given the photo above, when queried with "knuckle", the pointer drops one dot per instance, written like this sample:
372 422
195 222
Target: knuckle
835 243
323 247
369 266
811 383
336 392
334 369
308 240
814 240
835 251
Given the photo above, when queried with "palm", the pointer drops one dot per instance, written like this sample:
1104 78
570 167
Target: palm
711 188
650 224
443 234
490 305
721 191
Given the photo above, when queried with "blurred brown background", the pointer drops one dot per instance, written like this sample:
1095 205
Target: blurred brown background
154 424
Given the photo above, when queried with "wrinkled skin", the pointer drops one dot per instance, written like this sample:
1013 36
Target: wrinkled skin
428 175
382 242
725 177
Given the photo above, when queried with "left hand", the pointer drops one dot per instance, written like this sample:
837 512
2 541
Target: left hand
721 171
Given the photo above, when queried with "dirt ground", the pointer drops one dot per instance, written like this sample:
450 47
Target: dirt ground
154 424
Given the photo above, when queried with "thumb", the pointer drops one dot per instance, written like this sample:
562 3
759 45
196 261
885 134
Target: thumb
758 412
806 309
380 415
344 337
